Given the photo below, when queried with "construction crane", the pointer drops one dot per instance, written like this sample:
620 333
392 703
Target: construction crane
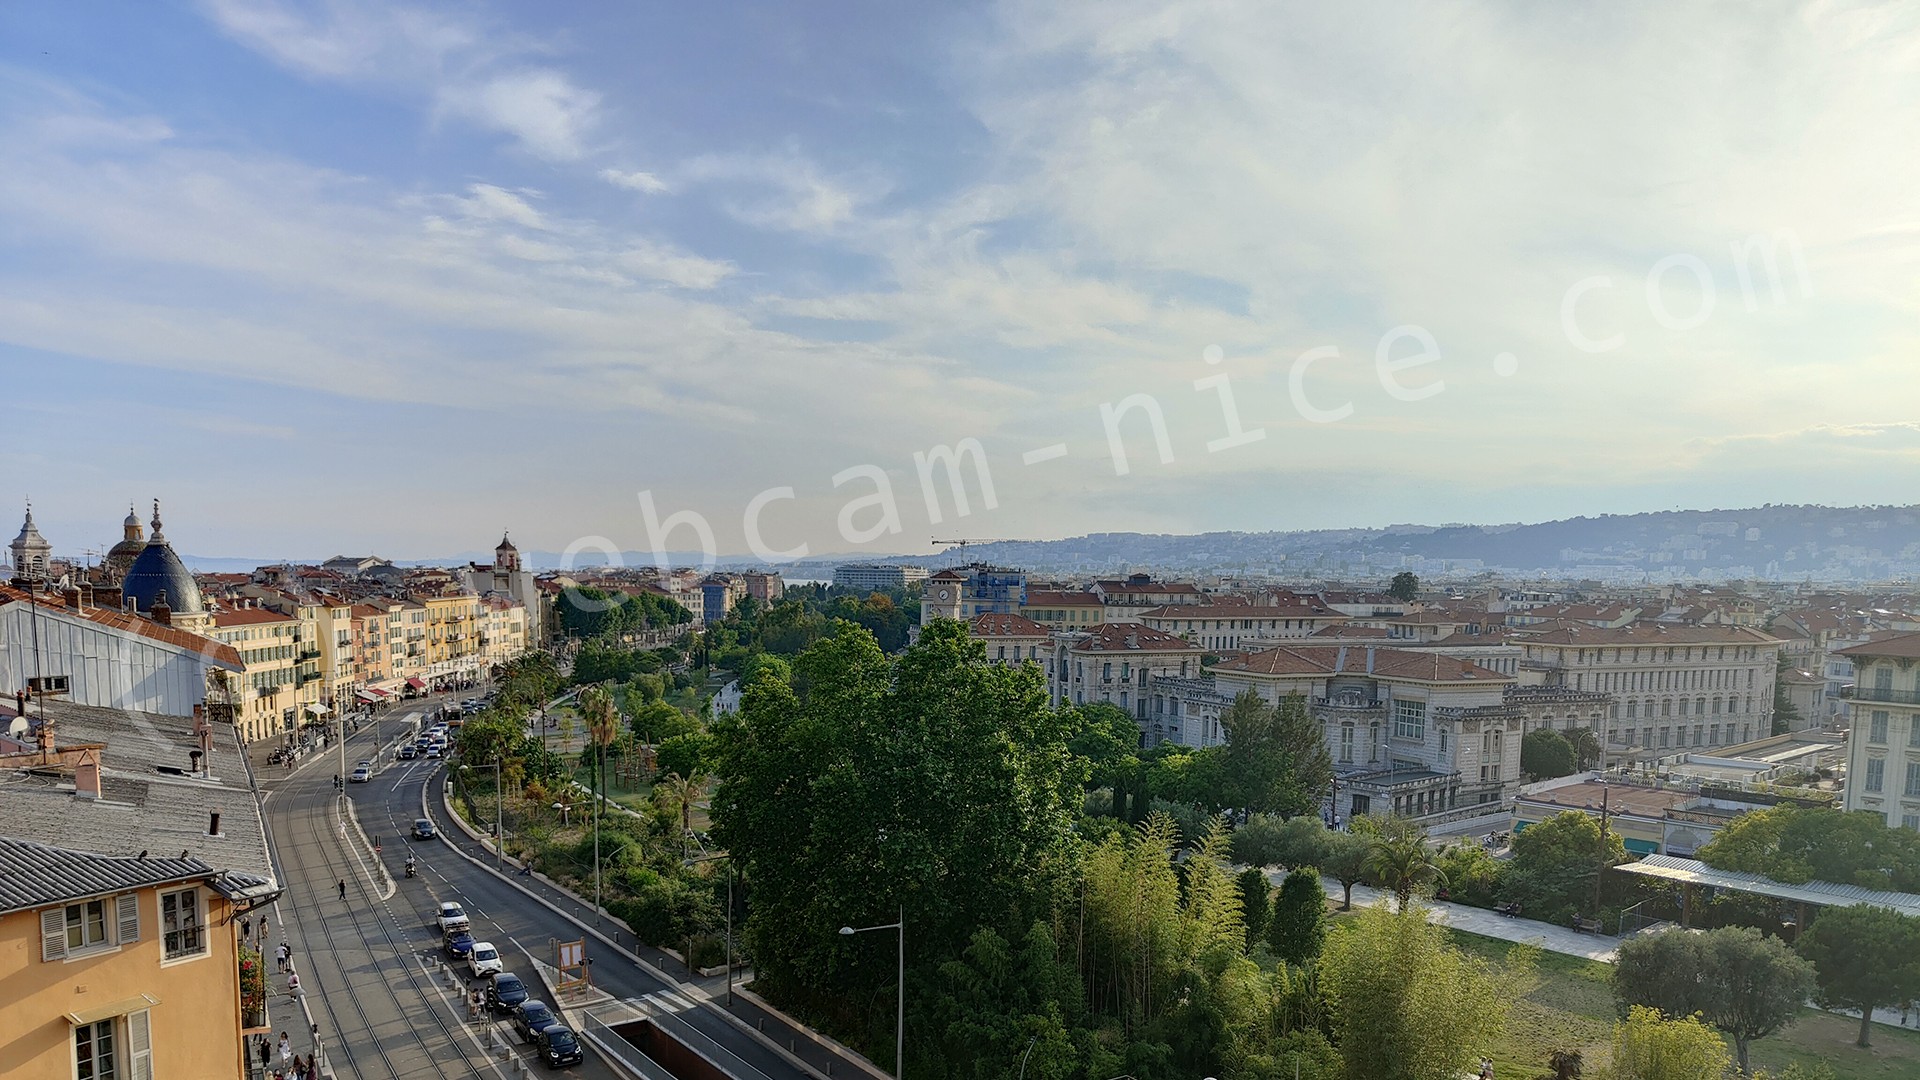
962 544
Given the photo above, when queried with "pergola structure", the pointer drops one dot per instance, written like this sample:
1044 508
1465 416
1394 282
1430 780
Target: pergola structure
1692 874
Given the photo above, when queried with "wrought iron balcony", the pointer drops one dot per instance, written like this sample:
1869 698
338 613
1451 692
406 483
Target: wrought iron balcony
1888 696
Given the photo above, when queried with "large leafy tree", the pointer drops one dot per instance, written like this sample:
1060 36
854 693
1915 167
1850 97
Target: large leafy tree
1346 857
1743 982
1405 1004
1298 927
1864 957
1797 844
1649 1046
936 784
1545 754
1275 759
1405 587
1402 862
1554 863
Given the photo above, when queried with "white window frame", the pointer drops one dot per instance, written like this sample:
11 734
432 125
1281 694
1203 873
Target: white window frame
1409 719
197 898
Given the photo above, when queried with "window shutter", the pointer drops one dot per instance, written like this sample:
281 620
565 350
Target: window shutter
139 1046
127 914
53 934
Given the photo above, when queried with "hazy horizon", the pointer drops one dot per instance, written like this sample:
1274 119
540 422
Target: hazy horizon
353 276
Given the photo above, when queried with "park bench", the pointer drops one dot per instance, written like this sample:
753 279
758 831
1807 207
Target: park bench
1586 925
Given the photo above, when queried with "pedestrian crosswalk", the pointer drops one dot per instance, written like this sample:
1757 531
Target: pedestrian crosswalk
667 1002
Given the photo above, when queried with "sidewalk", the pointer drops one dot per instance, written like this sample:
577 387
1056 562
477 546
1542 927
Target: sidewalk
1551 938
1473 920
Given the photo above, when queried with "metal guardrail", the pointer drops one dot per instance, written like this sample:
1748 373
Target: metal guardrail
624 1057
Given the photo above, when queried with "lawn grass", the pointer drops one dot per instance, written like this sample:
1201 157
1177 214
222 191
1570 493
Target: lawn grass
1572 1007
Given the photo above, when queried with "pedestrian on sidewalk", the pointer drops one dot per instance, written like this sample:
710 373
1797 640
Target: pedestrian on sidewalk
293 984
286 1049
266 1054
282 955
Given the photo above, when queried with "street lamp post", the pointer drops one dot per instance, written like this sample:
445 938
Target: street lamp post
900 1034
707 858
1601 871
499 831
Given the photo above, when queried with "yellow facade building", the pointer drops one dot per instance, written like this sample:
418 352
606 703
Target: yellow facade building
268 643
128 868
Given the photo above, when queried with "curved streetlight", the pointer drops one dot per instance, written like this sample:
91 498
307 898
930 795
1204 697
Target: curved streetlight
499 833
900 1033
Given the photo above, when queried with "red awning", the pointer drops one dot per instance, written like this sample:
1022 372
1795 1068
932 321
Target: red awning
416 684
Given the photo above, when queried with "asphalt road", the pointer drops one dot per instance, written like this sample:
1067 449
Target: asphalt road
372 964
369 965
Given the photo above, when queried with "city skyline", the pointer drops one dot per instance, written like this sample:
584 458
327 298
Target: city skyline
443 272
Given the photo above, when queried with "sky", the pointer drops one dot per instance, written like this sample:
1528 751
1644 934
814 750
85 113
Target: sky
364 276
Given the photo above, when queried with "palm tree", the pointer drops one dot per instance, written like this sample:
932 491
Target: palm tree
681 792
603 723
1402 863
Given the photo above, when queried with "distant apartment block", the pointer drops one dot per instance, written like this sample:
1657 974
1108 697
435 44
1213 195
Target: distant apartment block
874 577
1883 746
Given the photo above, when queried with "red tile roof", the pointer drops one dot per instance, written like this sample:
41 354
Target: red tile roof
1132 637
1643 633
1051 598
1423 666
1898 647
996 624
217 652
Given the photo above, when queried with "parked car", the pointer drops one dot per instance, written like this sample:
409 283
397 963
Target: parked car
505 992
459 944
361 774
483 959
408 751
435 750
452 917
533 1017
556 1047
422 829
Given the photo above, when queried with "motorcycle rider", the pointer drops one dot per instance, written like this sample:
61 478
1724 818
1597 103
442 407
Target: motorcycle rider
409 866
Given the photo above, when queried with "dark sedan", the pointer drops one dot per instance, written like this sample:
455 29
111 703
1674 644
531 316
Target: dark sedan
556 1047
422 829
532 1018
505 993
459 944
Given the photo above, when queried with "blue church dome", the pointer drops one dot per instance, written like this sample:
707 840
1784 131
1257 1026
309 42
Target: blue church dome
156 570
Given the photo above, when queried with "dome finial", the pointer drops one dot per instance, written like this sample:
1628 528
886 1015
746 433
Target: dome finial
157 538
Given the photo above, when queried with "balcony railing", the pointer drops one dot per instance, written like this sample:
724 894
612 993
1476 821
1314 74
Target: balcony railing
1874 693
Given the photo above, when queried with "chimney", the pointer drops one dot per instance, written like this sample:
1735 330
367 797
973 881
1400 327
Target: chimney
213 823
73 597
1369 659
86 777
160 612
193 761
45 740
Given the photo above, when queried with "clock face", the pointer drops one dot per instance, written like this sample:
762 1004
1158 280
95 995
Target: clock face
943 594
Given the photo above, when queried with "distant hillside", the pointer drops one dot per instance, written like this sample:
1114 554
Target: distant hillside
1792 543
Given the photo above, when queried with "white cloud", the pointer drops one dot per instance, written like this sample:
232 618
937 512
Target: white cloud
485 202
659 263
643 182
463 66
551 117
786 191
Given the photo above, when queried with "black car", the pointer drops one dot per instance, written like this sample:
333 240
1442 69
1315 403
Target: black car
459 944
556 1047
533 1017
422 829
505 993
